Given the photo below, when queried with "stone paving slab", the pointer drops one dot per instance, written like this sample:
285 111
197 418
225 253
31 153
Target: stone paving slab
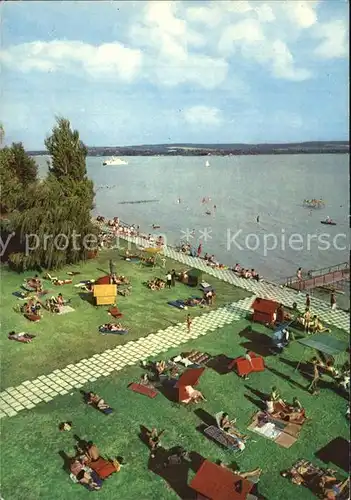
61 382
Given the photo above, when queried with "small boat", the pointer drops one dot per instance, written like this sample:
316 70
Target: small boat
328 222
114 161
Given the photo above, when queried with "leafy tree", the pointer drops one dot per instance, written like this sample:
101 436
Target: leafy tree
22 164
58 212
67 151
11 188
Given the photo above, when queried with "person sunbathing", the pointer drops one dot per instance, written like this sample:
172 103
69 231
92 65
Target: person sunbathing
21 337
144 380
52 305
95 400
225 424
316 326
60 300
289 412
194 396
160 367
112 327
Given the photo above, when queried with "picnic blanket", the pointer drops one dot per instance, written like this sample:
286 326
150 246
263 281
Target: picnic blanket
115 312
65 310
279 432
32 317
142 389
179 304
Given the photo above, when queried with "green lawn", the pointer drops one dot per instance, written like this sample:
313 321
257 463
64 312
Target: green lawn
31 466
66 339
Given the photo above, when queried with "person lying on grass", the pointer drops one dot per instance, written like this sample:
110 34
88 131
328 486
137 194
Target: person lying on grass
89 479
194 396
96 401
156 284
253 476
112 327
21 337
290 412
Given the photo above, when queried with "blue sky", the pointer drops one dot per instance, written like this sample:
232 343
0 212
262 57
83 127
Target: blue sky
157 72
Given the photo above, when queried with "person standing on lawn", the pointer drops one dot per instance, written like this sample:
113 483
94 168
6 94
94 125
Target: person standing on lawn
112 271
308 301
333 301
173 277
313 387
169 279
188 322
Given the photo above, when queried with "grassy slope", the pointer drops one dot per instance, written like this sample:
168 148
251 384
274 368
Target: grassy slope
65 339
32 469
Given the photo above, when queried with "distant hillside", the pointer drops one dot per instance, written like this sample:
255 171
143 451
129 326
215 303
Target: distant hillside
322 147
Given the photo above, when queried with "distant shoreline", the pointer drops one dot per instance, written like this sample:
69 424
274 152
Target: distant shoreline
322 147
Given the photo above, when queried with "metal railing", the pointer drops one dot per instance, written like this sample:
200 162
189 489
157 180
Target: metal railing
319 276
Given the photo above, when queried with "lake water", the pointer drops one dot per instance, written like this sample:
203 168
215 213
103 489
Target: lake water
242 188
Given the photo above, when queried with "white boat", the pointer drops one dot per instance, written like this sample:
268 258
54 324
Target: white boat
115 161
207 164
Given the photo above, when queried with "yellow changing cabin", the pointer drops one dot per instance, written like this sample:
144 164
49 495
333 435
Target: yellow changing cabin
105 295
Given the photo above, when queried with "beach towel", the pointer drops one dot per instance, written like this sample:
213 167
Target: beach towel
20 295
142 389
65 310
105 331
179 304
115 312
32 317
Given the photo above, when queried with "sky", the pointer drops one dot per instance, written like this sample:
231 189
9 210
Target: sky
127 73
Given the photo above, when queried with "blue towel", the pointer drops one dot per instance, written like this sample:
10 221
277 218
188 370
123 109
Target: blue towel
179 304
18 295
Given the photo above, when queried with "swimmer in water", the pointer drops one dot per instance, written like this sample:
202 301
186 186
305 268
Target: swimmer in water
258 218
214 207
178 201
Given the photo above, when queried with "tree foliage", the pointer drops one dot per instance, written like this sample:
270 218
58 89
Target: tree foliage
67 151
22 164
57 213
10 186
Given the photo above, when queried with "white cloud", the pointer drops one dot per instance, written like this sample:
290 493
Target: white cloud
102 61
301 13
171 49
249 39
334 42
203 115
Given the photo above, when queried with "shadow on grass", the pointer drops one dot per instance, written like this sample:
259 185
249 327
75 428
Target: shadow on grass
287 378
66 461
263 396
171 466
87 297
335 452
220 364
257 402
206 417
259 343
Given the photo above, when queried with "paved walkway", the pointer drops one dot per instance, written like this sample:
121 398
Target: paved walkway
45 388
285 295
